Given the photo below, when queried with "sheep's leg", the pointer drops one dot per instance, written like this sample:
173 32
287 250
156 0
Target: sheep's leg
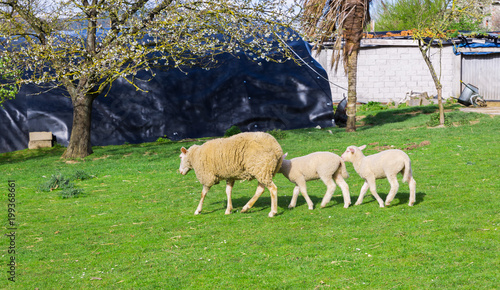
295 195
303 189
345 189
258 193
413 189
229 189
364 189
273 190
330 189
393 180
373 190
203 194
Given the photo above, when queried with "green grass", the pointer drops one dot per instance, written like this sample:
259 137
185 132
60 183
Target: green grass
133 226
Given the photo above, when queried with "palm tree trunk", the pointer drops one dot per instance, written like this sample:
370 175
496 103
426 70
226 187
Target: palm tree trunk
357 14
352 72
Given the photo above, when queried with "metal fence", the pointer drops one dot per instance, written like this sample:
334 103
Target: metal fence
483 71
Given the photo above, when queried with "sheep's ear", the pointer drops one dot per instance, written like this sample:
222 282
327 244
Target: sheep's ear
362 147
285 155
183 150
351 149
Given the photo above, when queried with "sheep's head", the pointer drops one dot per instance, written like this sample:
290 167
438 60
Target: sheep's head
185 162
351 152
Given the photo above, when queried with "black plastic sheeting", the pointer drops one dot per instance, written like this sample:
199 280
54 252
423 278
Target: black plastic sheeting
201 103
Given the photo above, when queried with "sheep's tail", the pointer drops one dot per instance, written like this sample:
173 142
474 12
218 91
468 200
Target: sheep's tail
343 169
407 173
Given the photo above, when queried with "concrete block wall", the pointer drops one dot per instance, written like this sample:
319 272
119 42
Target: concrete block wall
386 73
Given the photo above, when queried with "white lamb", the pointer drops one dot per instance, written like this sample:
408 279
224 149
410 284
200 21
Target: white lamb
317 165
386 164
247 156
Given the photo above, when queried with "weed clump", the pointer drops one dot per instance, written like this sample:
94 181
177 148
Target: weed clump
163 139
64 185
434 120
372 106
232 131
81 175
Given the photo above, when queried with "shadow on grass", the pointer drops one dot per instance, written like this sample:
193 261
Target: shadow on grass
402 198
27 154
336 201
395 115
264 202
166 150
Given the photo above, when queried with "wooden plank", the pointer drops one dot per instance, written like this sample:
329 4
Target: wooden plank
40 136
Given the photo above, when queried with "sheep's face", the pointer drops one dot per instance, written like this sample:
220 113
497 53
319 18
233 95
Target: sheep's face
185 163
350 152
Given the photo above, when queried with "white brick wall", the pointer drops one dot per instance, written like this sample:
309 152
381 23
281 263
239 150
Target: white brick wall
388 72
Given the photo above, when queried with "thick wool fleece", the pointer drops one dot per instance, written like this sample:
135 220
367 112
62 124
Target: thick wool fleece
245 156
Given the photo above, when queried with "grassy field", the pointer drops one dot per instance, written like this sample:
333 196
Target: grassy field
133 226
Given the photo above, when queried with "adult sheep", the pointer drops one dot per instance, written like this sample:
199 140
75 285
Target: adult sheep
385 164
245 156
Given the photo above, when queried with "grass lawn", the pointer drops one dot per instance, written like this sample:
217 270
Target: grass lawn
133 226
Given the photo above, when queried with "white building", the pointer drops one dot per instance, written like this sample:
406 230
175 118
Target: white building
389 68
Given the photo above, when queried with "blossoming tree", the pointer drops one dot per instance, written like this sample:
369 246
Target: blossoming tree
85 45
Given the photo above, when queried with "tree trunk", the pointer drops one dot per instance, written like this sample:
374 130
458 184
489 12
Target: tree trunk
437 82
79 141
352 72
440 105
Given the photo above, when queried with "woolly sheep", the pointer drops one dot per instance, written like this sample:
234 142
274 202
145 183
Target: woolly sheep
317 165
245 156
386 164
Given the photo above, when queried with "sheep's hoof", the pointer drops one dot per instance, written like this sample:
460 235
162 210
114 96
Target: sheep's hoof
228 212
196 213
245 208
271 214
357 203
291 206
410 204
346 205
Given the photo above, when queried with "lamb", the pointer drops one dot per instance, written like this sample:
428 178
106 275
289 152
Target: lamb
245 156
386 164
317 165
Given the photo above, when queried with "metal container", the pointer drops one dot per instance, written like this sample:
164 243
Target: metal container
468 92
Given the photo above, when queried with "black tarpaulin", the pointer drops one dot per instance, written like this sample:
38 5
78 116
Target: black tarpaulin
253 96
14 125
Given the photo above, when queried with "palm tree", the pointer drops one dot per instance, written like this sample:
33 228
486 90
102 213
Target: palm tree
327 20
